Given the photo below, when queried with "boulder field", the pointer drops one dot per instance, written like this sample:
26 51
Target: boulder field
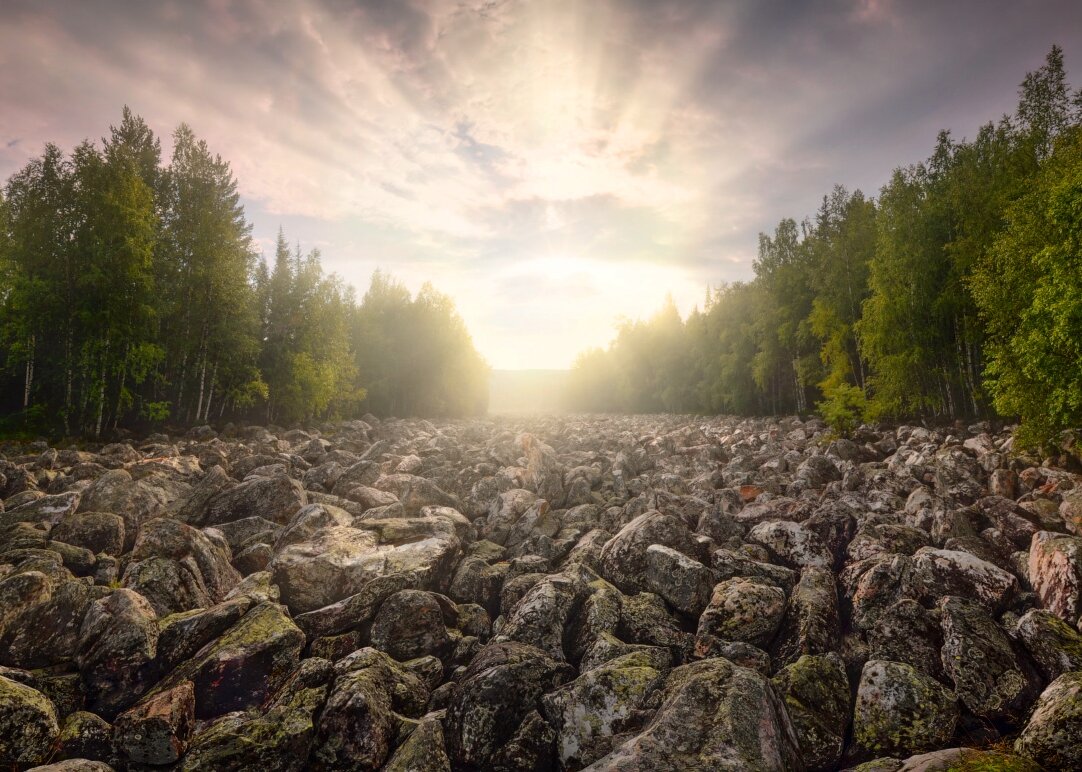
551 593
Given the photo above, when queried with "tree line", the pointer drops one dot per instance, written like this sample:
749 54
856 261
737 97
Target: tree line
956 293
131 294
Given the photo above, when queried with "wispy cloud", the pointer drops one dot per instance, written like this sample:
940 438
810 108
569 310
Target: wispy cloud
553 165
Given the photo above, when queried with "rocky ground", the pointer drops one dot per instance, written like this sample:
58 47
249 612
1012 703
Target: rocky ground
641 593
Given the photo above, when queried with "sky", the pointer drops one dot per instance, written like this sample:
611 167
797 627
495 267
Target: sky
552 166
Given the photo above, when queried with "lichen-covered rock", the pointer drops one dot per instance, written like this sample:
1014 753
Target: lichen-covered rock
950 572
248 662
816 695
1055 571
410 624
363 713
623 558
275 498
605 701
96 531
1055 646
86 736
713 715
156 730
811 624
543 614
28 725
118 641
74 765
338 561
1053 735
501 686
422 751
134 500
685 584
46 633
900 711
743 610
356 610
277 739
792 544
988 676
909 633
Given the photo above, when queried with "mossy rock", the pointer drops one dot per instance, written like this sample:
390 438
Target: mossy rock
28 725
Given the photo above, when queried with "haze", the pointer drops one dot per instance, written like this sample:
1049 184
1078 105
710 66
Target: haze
552 166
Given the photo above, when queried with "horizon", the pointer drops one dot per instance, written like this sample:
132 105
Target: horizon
552 169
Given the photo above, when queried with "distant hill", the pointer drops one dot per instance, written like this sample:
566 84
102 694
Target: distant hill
526 391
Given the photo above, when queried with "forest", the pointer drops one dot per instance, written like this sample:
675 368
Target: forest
956 293
131 295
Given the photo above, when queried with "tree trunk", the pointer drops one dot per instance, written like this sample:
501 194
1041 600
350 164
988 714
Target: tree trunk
29 381
101 390
210 394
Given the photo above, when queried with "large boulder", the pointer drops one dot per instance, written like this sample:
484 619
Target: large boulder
28 725
490 701
1053 736
900 711
624 560
792 544
275 498
713 715
602 703
410 624
118 641
337 561
248 662
1055 646
685 584
743 610
816 695
988 676
1055 571
134 500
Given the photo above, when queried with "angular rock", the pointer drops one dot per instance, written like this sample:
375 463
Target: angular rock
816 695
1055 571
713 715
156 730
28 725
1055 646
1053 736
685 584
410 624
743 610
900 711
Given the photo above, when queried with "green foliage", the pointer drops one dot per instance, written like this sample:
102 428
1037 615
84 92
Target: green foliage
131 294
958 291
1029 290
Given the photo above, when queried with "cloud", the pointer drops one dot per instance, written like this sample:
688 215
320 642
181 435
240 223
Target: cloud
481 143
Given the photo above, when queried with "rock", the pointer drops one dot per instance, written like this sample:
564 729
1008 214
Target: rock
645 619
816 695
410 624
117 642
247 663
274 498
28 725
74 765
685 584
812 624
605 701
988 676
948 572
743 610
277 739
493 697
338 561
900 711
46 633
964 759
136 501
541 617
1055 646
86 736
623 558
423 750
532 746
192 568
156 730
1053 736
356 610
907 632
792 544
713 715
359 723
1055 571
46 509
96 531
